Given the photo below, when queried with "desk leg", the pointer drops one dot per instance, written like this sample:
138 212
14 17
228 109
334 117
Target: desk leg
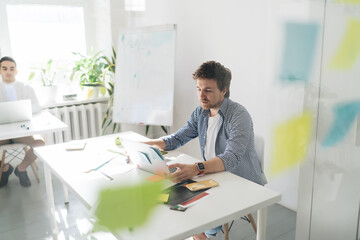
66 194
261 224
51 203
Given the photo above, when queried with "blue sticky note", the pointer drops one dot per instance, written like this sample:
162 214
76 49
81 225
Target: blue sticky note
298 53
345 115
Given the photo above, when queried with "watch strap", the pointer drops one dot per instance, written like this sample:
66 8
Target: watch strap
201 168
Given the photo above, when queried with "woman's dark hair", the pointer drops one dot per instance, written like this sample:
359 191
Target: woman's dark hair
216 71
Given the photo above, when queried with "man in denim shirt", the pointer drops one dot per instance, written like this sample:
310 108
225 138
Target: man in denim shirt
225 132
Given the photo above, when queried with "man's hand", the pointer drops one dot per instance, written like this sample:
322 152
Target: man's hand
183 172
159 143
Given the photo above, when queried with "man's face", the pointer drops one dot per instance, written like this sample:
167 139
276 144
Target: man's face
209 94
8 71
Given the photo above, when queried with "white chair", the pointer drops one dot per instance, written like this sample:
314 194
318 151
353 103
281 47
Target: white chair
259 148
14 150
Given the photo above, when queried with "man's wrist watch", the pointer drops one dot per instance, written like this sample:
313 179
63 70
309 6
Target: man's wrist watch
201 168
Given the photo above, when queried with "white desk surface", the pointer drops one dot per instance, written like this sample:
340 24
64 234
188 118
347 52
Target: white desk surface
235 196
42 122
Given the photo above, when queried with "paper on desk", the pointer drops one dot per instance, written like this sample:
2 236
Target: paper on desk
95 159
117 166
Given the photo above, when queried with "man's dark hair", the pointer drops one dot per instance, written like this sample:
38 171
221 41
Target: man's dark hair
216 71
10 59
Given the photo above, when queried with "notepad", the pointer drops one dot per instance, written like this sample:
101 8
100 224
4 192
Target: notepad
179 194
206 184
75 146
194 200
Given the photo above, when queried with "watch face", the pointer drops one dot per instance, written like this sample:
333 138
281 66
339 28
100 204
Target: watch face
201 166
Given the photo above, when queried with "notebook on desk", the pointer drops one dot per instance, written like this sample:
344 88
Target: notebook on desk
145 157
150 159
15 111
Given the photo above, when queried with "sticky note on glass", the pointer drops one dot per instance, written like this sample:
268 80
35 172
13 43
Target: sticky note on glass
344 116
298 52
348 1
291 141
126 206
349 49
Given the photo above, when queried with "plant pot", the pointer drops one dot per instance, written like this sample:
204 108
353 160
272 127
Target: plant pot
47 94
94 92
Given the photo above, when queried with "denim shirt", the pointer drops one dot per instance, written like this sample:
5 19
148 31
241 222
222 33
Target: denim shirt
234 142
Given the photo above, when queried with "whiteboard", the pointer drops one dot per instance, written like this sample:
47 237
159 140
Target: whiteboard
144 76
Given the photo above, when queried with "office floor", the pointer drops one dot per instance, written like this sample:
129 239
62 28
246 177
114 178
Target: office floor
24 215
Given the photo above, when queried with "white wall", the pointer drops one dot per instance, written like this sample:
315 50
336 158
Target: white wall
244 36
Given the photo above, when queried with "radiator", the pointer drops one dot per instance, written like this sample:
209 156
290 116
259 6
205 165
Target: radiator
84 121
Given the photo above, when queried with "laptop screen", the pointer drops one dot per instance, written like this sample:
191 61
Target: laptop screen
146 157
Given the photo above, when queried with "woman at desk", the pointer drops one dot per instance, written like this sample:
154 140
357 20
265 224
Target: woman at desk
11 90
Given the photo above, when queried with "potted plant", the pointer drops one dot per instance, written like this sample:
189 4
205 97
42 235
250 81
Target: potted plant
46 73
90 70
110 70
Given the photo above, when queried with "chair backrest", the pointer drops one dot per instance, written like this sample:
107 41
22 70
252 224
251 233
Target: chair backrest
259 148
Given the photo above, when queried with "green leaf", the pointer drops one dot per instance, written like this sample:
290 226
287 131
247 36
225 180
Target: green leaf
147 130
32 75
126 206
164 129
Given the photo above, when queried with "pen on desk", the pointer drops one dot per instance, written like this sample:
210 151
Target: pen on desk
107 176
178 208
100 166
24 126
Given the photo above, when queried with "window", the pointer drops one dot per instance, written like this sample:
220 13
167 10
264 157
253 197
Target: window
42 32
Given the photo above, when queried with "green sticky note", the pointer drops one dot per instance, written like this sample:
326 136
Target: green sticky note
126 206
118 141
291 141
348 1
164 152
349 49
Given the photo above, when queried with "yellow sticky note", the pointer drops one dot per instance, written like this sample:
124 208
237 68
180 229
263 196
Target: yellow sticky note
291 141
348 1
163 198
118 141
155 178
349 50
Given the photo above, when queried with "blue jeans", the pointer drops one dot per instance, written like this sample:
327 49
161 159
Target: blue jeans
212 232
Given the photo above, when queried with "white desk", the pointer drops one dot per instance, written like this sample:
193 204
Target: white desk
235 197
42 122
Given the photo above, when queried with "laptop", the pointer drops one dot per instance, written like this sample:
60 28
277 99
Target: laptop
146 157
15 111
